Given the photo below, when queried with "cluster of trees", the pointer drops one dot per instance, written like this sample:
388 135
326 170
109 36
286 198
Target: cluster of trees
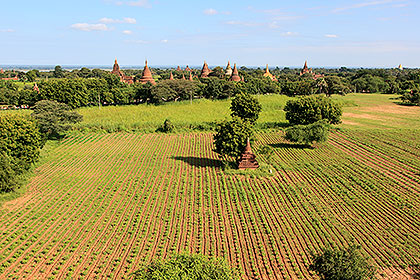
87 87
231 135
329 264
310 117
22 137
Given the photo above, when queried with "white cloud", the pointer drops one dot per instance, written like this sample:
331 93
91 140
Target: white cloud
7 30
140 3
90 27
127 32
210 12
289 34
124 20
331 35
364 4
165 41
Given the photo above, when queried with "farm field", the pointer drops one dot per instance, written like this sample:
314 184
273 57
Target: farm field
101 204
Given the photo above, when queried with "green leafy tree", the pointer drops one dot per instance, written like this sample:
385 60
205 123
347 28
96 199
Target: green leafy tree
187 267
411 97
308 134
7 174
20 140
54 118
230 138
246 107
58 72
167 126
335 85
342 264
310 109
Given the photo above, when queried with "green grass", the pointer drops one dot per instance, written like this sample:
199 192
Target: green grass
361 111
201 115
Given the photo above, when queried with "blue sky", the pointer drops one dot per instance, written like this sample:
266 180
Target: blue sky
359 33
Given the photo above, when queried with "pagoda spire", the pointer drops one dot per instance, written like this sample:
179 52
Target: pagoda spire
235 75
248 159
147 75
205 71
171 77
228 69
191 77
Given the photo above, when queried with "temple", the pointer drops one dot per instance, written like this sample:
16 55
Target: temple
228 69
235 75
188 69
248 159
171 77
400 67
123 78
36 88
205 71
268 74
147 76
191 77
305 69
178 68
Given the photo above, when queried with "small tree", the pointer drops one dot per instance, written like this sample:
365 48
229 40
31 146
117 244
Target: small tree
54 118
246 107
310 109
187 267
7 173
230 138
342 264
308 134
167 126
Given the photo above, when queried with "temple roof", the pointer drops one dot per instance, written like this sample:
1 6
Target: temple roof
235 75
178 68
171 77
147 75
228 69
205 71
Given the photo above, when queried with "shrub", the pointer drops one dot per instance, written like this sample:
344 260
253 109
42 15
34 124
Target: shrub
54 118
342 264
411 97
187 267
230 138
310 109
308 134
246 107
167 126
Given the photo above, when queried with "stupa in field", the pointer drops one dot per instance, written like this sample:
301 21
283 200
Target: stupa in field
235 75
147 76
268 74
123 78
205 71
248 159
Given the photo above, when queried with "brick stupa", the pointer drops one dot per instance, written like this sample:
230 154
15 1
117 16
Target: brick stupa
248 159
123 78
305 69
228 69
147 76
171 77
188 69
268 74
191 77
235 75
178 68
205 71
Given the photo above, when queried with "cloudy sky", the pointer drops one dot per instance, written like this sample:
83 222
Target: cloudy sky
352 33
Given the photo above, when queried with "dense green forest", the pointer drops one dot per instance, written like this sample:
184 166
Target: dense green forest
85 87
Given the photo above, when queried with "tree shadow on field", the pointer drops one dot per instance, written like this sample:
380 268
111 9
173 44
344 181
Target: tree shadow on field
200 162
291 145
272 125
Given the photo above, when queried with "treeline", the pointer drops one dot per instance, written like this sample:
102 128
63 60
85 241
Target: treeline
86 87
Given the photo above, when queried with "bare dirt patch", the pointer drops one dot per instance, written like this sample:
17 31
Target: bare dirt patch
393 109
